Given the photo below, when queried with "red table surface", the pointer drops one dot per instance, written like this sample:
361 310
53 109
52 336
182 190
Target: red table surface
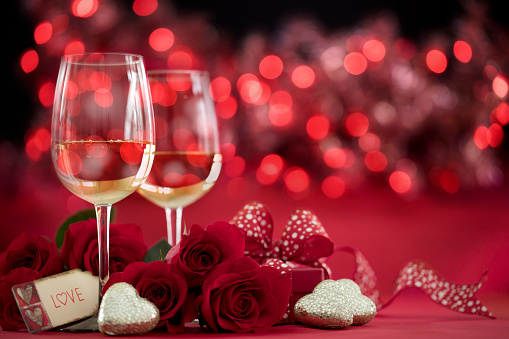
411 315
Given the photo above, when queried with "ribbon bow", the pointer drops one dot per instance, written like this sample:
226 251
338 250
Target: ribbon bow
304 239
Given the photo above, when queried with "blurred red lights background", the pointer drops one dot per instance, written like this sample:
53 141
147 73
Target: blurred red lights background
258 86
357 96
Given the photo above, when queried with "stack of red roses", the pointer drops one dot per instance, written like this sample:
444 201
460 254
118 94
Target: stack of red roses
205 276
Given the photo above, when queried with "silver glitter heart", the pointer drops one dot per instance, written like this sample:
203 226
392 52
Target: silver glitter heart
335 304
124 312
363 308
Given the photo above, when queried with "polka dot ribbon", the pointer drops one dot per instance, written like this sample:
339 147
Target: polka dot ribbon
304 239
417 274
281 266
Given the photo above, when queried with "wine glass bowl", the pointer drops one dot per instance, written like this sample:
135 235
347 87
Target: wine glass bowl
187 161
102 149
103 137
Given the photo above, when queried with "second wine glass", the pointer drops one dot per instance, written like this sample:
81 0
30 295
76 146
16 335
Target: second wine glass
187 161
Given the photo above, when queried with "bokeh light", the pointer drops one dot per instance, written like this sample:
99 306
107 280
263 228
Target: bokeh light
96 147
355 63
74 47
374 50
271 164
29 61
43 32
436 61
220 89
317 127
280 108
180 59
161 39
501 113
249 88
400 182
99 80
103 97
335 157
333 187
494 135
303 76
462 51
179 83
228 151
369 142
144 7
265 96
296 179
500 86
69 162
480 137
131 153
271 67
269 170
332 59
84 8
227 108
47 93
375 161
357 124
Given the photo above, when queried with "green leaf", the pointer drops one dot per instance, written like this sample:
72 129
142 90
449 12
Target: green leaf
82 215
158 251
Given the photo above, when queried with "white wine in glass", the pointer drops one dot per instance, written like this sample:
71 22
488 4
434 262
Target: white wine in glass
187 161
103 136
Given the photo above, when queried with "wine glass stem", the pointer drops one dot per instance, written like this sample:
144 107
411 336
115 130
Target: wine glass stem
102 213
174 225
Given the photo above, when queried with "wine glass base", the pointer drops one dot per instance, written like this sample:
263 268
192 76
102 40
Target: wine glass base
87 325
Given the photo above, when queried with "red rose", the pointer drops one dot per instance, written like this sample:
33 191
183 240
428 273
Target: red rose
165 288
242 296
31 251
10 318
202 250
80 249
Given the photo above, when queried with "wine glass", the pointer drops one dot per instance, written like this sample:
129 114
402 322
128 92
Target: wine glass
103 137
187 162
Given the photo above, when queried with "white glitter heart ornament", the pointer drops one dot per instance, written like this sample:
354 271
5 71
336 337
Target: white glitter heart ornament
335 304
124 312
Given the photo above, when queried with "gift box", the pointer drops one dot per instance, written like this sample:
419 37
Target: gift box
303 243
304 280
